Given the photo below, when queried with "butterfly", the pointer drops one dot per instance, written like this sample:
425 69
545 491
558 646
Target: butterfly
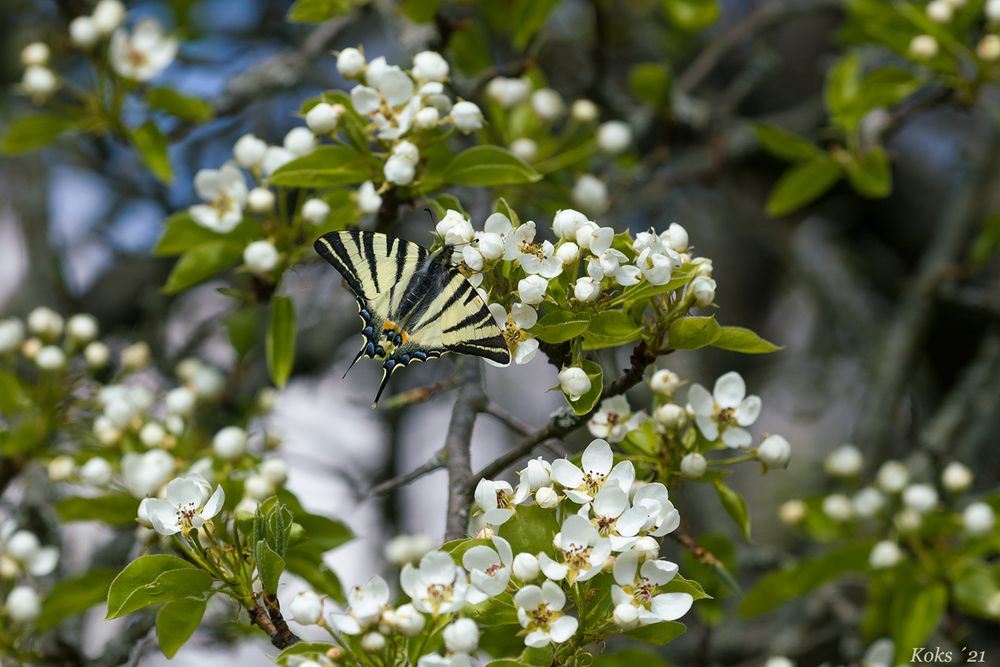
414 305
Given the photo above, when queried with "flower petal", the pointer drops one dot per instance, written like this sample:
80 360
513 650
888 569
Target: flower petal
747 411
729 390
625 568
214 504
566 473
671 606
563 628
598 458
736 437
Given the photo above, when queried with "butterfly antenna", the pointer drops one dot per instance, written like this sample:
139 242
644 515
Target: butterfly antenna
385 381
430 214
361 353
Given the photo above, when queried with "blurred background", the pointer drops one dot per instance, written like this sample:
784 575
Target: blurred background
889 329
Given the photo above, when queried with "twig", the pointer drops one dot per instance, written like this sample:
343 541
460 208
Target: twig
508 419
433 464
273 623
419 395
471 400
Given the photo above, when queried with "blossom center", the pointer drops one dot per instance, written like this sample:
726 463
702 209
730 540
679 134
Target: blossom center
725 416
222 203
529 248
593 481
541 618
604 525
137 57
493 569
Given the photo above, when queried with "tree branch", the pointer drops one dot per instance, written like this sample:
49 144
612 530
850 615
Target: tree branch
436 462
269 619
471 400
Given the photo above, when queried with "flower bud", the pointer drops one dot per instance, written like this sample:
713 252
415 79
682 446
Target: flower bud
978 519
45 323
993 10
584 111
260 257
548 104
306 608
885 554
665 382
369 201
693 465
508 92
22 545
466 117
892 476
956 477
96 472
625 616
868 502
373 642
461 636
427 118
838 507
399 170
921 498
940 11
274 470
180 401
350 63
779 661
315 211
323 118
83 32
574 382
260 200
568 253
430 66
409 621
670 415
988 48
257 487
524 148
775 452
249 151
532 289
546 497
703 290
61 468
678 240
11 334
23 604
230 443
845 461
923 47
299 141
908 520
614 136
586 289
135 356
108 15
567 222
792 512
591 194
525 567
404 549
50 358
152 434
39 81
82 328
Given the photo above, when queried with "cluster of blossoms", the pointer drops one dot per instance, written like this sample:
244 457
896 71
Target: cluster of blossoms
136 55
944 12
609 534
23 556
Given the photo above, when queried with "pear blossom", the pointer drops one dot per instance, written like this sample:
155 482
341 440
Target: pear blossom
23 604
369 201
581 550
142 54
774 451
568 253
21 551
892 476
225 192
614 519
534 258
324 117
83 32
845 461
261 257
639 586
539 610
404 549
703 290
670 415
230 443
108 15
524 148
598 469
978 519
921 498
567 221
39 82
466 117
275 157
249 151
365 606
306 608
792 511
586 289
726 411
838 507
662 518
614 419
408 621
189 503
548 104
350 63
61 468
45 323
923 47
82 328
435 659
261 200
299 141
956 477
584 111
664 381
591 194
574 382
315 211
96 472
144 474
496 500
50 358
590 236
461 636
525 567
508 92
693 465
438 586
35 53
514 326
11 334
489 569
430 66
614 136
885 554
868 502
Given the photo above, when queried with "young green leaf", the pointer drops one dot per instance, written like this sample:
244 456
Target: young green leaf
803 183
151 146
650 84
115 509
317 11
692 15
560 326
739 339
177 104
658 634
691 333
530 529
201 263
326 167
154 579
281 339
735 507
784 144
269 565
915 612
176 622
870 174
30 133
610 328
487 166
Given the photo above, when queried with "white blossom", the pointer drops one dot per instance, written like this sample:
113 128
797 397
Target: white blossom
885 554
726 411
639 586
306 608
11 334
838 507
845 461
892 476
568 253
670 415
299 141
574 382
988 48
430 66
524 148
399 170
496 499
315 211
404 549
531 290
180 401
586 289
39 81
409 621
35 53
21 551
792 511
438 586
45 322
350 63
427 118
230 443
614 419
956 477
275 157
921 498
369 200
566 223
923 47
108 15
939 11
96 472
189 503
261 257
591 194
584 111
61 468
466 117
774 451
582 552
539 610
525 567
703 290
365 606
261 200
143 53
868 502
548 104
23 604
249 151
489 569
598 469
664 381
50 358
225 192
509 92
144 474
514 326
596 239
614 136
324 117
693 465
978 518
83 32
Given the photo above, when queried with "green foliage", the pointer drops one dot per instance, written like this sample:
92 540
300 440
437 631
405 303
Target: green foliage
691 333
488 166
29 133
317 11
177 104
176 622
530 529
326 167
657 634
182 234
588 401
916 611
692 15
151 146
650 83
559 326
870 174
156 579
802 184
735 507
74 596
114 509
630 658
611 328
280 342
201 263
784 144
744 341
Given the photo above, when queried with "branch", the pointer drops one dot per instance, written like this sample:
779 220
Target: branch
273 623
433 464
507 419
471 400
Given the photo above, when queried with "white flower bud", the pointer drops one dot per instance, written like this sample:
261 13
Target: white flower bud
461 636
779 661
274 470
940 11
260 200
792 512
11 334
36 53
45 322
108 15
625 616
775 452
260 257
180 401
525 567
23 604
96 355
978 519
409 621
407 151
83 32
369 201
892 477
230 443
956 477
568 253
532 289
306 608
399 170
152 434
591 194
586 289
923 47
988 48
31 347
508 92
61 468
299 141
427 118
567 222
614 136
50 358
315 211
665 382
868 502
257 487
430 66
838 507
677 239
96 472
548 104
22 545
546 497
249 151
175 424
574 382
524 148
323 117
908 520
920 498
845 461
39 81
350 63
693 465
466 117
703 290
106 432
584 111
82 328
670 415
885 554
373 642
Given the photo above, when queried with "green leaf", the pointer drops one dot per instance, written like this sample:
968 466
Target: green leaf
176 622
201 263
735 507
692 15
630 658
784 144
531 529
870 174
802 184
71 597
916 611
560 326
469 49
586 403
420 11
302 650
151 145
658 634
317 11
691 333
610 328
650 83
115 509
740 339
793 581
487 166
681 585
177 104
326 167
243 328
324 532
30 133
843 82
987 241
154 580
269 565
182 233
281 339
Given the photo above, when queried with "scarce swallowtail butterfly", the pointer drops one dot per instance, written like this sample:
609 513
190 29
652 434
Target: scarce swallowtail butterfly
414 305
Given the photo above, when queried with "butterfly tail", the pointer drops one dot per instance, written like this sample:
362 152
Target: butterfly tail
386 374
361 353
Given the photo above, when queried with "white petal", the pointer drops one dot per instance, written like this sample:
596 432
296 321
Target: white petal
553 596
551 569
498 516
597 457
730 390
536 639
708 427
437 567
526 351
623 474
490 585
566 473
183 491
214 504
578 532
625 568
44 561
610 502
503 550
736 437
658 572
346 624
747 411
578 497
700 400
632 521
563 628
480 557
671 606
529 597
